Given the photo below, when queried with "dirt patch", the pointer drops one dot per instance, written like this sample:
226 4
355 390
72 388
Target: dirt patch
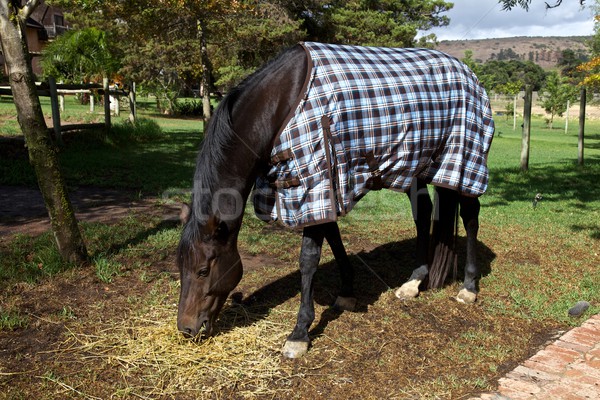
22 209
383 350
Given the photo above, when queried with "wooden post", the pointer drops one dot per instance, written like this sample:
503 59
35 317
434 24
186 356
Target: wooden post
132 106
91 102
515 113
567 117
55 110
117 100
526 129
106 104
582 103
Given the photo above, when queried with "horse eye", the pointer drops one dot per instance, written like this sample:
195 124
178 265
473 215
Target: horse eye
203 272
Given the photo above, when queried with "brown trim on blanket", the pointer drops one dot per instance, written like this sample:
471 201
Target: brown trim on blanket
303 93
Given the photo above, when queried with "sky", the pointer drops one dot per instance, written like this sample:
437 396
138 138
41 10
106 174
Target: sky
484 19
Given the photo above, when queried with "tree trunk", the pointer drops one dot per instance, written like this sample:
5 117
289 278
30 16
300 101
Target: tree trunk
525 141
206 72
42 152
580 141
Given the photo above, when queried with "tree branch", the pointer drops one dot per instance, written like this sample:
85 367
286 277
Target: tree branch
558 2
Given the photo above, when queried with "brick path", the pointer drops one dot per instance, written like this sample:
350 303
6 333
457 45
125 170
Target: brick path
567 369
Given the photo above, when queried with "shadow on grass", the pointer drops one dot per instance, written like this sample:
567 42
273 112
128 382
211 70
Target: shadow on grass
148 165
557 183
377 271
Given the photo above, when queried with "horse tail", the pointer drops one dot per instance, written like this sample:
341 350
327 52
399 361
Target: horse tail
444 234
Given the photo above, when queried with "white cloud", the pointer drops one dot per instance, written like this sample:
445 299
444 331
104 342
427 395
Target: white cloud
481 19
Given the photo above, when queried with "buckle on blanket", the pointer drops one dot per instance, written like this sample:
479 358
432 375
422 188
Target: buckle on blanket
282 156
287 183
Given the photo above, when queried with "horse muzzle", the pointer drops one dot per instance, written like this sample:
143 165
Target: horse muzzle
199 329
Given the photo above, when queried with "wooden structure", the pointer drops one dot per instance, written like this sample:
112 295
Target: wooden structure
56 92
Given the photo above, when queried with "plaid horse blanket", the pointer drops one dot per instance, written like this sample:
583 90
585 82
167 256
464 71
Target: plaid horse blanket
373 118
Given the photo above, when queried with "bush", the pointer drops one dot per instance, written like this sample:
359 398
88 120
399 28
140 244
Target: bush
189 108
143 129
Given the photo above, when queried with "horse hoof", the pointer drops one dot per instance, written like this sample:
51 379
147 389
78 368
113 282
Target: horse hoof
466 296
409 290
345 303
294 349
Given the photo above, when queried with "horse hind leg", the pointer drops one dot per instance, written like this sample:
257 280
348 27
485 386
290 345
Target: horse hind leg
421 209
298 341
346 299
469 212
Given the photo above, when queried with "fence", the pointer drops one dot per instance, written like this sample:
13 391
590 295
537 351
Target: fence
56 92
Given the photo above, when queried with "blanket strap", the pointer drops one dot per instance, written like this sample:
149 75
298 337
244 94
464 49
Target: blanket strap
282 156
375 181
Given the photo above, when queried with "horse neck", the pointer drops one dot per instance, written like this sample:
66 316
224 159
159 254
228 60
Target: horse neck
260 110
257 113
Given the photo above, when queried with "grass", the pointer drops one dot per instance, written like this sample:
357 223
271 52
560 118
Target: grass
536 264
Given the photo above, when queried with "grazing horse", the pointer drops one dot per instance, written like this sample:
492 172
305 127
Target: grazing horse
307 136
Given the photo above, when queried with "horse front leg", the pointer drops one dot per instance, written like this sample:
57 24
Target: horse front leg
297 342
421 207
346 299
469 212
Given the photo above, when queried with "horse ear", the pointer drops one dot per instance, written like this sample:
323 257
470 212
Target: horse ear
184 214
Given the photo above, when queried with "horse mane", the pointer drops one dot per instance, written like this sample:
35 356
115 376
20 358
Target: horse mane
219 139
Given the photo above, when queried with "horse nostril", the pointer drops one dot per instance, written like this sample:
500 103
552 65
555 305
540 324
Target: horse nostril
187 333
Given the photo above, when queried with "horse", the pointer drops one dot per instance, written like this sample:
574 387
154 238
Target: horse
437 128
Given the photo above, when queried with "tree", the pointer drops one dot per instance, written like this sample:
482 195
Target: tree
42 153
510 4
569 62
555 96
370 22
495 74
169 44
81 56
512 88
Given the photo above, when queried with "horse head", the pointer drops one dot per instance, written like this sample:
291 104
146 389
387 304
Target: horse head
210 268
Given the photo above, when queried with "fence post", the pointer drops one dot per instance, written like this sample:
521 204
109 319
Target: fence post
582 103
132 105
91 102
106 104
55 110
567 117
526 129
515 113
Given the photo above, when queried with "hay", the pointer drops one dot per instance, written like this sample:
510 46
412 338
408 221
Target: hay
155 360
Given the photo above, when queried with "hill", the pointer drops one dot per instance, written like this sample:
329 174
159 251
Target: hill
544 51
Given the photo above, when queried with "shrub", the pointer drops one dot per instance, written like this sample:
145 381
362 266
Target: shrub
143 129
189 108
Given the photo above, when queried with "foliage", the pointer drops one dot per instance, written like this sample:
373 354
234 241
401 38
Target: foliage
161 41
189 108
495 75
81 56
555 95
591 69
260 34
370 22
510 4
569 63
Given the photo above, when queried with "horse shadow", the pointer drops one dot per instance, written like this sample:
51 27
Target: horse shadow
376 271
